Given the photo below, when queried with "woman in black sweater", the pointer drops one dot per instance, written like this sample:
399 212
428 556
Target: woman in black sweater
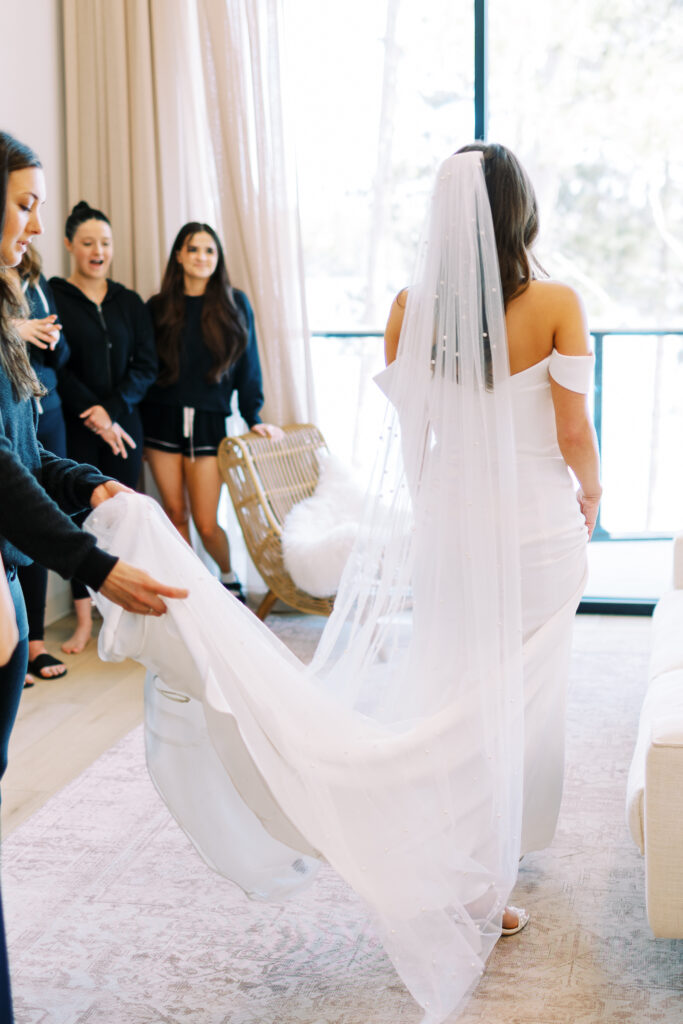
40 490
112 363
48 351
206 344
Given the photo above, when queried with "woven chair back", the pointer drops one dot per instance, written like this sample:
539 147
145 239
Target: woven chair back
265 479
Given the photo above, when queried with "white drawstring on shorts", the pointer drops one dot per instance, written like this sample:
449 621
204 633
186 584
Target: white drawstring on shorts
188 427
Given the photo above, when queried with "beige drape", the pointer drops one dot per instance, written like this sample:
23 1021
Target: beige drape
174 112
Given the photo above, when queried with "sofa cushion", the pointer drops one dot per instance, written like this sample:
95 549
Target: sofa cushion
667 634
661 722
664 828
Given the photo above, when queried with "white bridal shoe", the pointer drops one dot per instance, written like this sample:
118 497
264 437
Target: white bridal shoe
522 921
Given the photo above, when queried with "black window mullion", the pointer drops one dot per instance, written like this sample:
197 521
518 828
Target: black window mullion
480 69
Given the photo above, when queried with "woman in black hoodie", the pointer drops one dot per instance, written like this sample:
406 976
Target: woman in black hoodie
48 351
112 363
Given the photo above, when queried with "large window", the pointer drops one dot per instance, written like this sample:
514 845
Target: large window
382 90
583 92
642 432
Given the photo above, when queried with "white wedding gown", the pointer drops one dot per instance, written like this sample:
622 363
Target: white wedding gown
421 751
267 772
553 569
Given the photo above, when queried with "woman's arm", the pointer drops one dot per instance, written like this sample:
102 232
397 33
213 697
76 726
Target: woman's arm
137 591
42 332
75 395
131 588
575 432
143 366
58 356
35 525
579 446
248 380
392 331
68 483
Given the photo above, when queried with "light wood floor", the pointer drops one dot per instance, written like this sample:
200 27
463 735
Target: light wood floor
65 724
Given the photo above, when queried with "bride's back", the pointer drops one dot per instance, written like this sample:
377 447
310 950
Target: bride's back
546 315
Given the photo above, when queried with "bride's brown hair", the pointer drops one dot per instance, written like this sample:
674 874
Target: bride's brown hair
515 215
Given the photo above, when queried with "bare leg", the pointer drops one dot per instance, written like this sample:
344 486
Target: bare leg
167 470
83 630
204 489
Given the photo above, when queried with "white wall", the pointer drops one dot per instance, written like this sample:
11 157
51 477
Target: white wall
32 104
32 108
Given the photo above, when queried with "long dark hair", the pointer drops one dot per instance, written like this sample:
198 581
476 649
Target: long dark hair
14 156
31 266
79 214
223 330
515 215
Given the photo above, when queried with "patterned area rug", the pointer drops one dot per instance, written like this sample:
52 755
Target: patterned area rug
113 919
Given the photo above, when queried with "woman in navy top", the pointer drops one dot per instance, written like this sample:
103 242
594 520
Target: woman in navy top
206 345
48 351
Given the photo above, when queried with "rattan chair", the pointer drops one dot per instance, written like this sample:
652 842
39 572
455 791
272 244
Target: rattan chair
266 479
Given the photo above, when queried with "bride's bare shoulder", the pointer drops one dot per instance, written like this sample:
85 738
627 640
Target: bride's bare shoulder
560 307
553 293
546 315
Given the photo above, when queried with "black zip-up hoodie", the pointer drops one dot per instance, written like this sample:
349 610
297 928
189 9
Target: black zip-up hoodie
113 357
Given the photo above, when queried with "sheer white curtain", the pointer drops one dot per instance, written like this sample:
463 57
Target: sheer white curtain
174 112
243 60
112 155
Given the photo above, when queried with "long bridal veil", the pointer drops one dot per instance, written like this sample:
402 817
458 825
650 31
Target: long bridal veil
396 755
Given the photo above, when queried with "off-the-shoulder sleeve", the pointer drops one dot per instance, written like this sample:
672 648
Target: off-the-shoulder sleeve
572 372
386 380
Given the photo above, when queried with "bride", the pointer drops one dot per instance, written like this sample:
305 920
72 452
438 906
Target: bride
551 368
421 750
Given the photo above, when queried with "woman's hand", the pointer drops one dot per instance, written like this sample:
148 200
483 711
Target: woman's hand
109 489
43 332
117 439
268 430
96 418
136 591
589 505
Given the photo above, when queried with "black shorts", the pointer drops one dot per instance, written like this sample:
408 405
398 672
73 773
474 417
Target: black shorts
190 432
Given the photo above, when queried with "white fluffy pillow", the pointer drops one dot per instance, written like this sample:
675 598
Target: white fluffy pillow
318 533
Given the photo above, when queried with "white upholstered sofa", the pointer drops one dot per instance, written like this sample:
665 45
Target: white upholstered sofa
654 802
